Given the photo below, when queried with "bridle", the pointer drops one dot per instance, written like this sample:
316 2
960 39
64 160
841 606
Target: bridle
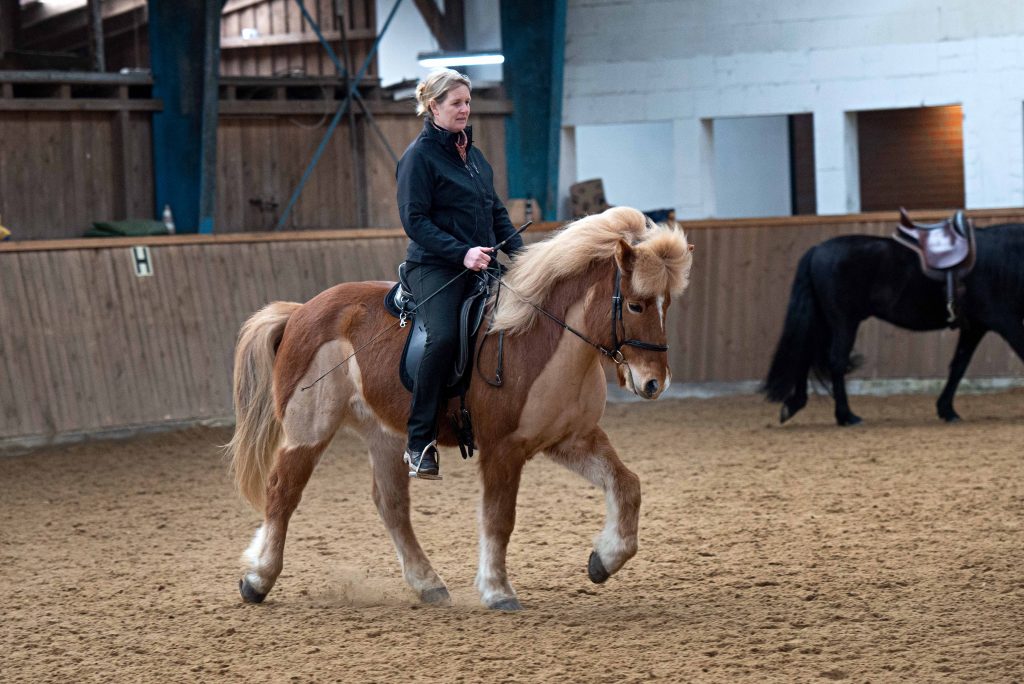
614 352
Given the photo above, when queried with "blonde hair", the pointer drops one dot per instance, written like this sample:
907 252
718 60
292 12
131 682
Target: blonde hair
435 87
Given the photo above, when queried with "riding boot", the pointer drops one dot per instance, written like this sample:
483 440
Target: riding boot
424 465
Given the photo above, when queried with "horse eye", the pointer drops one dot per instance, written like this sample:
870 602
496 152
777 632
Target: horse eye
636 307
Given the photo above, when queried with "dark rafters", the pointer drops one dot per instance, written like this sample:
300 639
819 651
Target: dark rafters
449 28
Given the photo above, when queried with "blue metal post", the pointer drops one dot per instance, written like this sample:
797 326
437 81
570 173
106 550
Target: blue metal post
533 42
184 40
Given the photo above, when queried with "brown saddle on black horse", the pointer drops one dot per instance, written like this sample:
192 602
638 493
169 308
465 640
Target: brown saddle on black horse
946 251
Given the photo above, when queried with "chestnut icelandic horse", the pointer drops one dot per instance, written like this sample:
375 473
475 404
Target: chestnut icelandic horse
551 399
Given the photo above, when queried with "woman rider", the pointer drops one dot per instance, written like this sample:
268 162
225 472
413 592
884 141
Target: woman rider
451 213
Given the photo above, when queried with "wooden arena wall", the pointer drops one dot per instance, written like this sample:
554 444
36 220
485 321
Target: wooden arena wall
731 317
88 346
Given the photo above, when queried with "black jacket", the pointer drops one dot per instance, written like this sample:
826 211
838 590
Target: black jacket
449 206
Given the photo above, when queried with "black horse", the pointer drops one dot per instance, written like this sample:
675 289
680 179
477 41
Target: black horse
847 279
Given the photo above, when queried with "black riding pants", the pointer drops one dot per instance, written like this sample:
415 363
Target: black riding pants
440 316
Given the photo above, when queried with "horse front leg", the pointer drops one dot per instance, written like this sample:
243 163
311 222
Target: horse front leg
592 456
966 344
500 472
391 496
292 468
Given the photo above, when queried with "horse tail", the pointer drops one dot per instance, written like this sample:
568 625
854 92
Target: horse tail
804 341
257 428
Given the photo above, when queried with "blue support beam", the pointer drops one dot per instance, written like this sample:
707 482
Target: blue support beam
184 44
533 42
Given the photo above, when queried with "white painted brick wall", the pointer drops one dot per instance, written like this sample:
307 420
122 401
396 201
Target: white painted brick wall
688 61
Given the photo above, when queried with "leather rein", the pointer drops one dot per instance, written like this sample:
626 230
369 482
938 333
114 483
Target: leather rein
613 352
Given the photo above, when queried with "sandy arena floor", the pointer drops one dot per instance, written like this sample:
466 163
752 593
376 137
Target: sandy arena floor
888 552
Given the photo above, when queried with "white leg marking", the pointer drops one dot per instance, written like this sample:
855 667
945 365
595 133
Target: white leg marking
609 544
255 557
491 578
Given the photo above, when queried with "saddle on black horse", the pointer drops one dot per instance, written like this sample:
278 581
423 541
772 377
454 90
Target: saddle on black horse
946 251
400 303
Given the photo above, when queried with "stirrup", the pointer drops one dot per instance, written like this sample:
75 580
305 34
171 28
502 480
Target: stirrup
424 465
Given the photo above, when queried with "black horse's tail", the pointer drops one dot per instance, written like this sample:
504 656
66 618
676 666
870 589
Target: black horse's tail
803 346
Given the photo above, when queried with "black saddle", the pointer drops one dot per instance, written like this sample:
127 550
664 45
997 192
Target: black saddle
946 251
400 303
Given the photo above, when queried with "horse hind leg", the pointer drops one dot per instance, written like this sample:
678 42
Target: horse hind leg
798 399
592 456
839 365
265 555
311 419
391 496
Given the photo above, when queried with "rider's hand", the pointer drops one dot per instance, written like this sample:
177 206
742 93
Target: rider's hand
477 258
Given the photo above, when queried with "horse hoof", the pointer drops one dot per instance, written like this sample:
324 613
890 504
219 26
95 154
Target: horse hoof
850 422
438 596
508 605
595 569
790 407
951 419
250 595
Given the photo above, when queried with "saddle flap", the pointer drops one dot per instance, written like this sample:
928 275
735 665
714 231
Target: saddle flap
471 315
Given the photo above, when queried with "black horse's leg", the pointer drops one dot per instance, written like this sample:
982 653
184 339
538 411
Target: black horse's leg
798 399
839 362
970 336
1013 332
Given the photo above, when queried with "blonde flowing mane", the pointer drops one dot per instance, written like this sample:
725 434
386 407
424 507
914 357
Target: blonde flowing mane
662 261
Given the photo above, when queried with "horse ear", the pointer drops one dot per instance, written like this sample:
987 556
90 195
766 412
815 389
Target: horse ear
625 257
905 219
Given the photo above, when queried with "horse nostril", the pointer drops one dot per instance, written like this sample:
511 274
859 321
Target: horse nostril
651 388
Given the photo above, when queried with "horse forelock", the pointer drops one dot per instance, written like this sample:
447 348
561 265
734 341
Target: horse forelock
663 262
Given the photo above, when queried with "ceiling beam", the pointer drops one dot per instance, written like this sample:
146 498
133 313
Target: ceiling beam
10 21
448 28
97 53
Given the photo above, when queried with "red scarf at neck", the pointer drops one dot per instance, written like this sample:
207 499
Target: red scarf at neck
462 144
461 141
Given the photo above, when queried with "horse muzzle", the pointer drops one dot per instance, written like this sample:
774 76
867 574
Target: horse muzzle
644 385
